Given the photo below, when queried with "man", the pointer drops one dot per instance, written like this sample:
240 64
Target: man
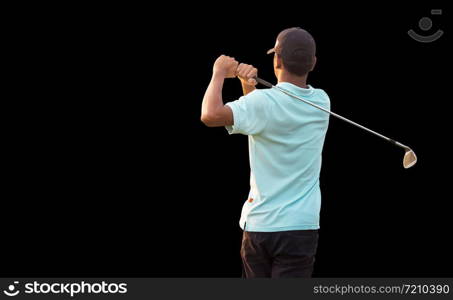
280 218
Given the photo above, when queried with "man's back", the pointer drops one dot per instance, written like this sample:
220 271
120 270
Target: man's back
286 138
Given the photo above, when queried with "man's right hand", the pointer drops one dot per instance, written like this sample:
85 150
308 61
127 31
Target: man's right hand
225 66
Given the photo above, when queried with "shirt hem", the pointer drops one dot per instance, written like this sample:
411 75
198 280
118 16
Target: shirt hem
284 228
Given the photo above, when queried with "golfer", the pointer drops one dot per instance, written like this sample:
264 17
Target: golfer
280 218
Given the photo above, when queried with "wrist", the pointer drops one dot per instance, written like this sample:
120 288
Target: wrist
245 82
218 75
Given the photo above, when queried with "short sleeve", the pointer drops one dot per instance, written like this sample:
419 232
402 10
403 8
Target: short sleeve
250 113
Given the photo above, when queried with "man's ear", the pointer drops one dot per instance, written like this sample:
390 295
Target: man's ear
278 61
314 64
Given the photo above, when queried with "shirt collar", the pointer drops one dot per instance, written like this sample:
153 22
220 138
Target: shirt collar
295 89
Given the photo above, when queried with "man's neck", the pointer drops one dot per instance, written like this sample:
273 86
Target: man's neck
300 81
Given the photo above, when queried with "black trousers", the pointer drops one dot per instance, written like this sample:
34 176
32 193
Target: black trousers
282 254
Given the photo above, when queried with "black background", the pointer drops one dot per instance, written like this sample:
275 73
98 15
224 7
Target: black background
111 173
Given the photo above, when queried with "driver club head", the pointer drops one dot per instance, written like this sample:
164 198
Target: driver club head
409 158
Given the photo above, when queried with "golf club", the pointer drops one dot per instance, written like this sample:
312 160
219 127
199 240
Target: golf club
409 156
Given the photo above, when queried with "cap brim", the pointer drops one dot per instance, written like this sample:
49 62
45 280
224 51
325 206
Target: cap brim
271 51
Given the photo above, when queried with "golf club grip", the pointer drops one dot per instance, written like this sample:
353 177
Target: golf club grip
263 82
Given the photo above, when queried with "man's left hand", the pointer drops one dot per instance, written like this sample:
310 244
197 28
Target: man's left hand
246 73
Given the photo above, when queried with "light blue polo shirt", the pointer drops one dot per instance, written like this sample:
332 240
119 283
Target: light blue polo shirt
286 137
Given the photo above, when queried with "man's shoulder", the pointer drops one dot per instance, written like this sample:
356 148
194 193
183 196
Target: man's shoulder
321 92
258 97
321 95
260 93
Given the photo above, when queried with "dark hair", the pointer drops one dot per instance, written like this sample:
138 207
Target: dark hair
300 67
297 49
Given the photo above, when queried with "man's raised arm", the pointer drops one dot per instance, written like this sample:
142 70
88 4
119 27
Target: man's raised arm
213 112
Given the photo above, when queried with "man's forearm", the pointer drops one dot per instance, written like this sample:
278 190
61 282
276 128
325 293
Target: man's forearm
247 88
212 100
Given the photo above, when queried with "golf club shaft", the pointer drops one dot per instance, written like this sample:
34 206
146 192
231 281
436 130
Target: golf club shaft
263 82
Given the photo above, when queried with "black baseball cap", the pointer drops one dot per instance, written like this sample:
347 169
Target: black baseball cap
296 47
